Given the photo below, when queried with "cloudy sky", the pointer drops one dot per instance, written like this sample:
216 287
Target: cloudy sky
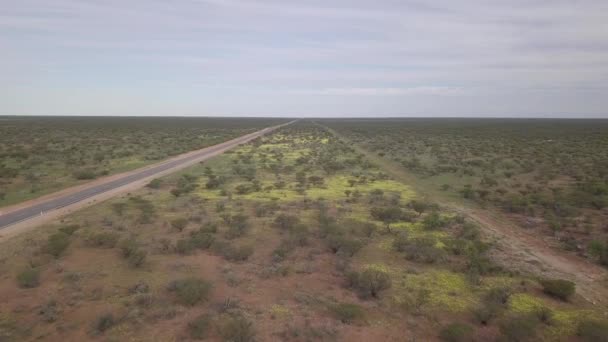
305 58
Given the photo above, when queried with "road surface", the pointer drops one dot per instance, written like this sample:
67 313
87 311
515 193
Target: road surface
35 210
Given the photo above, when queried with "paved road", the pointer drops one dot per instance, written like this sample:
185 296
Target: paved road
38 209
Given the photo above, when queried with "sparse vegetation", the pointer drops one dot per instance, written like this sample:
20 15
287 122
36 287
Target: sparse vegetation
281 234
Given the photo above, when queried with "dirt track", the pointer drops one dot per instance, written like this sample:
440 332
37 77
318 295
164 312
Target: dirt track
517 249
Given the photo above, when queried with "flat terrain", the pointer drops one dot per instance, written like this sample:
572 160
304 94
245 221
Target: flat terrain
41 155
295 236
546 176
81 193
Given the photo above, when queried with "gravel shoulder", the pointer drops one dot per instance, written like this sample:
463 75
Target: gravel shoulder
179 162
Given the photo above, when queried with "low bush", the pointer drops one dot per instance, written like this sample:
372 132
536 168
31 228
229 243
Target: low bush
49 311
544 315
84 174
238 253
237 225
285 221
184 246
421 249
155 184
179 223
298 235
456 332
137 258
236 328
199 327
69 229
433 221
128 246
348 313
130 250
498 295
559 288
593 330
190 291
519 328
344 245
102 240
484 313
369 283
492 304
103 323
28 278
57 244
401 242
208 227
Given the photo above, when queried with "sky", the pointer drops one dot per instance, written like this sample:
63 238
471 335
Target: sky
306 58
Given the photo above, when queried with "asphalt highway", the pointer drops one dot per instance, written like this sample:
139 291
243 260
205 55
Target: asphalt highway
38 209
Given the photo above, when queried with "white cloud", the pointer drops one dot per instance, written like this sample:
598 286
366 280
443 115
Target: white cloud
259 55
411 91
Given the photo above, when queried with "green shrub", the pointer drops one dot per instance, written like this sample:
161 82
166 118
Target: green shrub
238 253
348 313
298 235
209 227
369 283
84 174
401 242
199 327
202 240
190 291
544 315
130 250
559 288
57 244
519 328
70 229
236 328
128 246
28 278
593 330
184 246
103 323
456 332
498 295
285 221
387 215
102 239
155 184
179 223
49 311
433 221
137 258
421 249
343 245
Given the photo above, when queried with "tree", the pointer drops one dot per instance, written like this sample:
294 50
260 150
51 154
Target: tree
387 215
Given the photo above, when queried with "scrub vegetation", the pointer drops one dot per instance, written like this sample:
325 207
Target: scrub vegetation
547 175
294 236
39 155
